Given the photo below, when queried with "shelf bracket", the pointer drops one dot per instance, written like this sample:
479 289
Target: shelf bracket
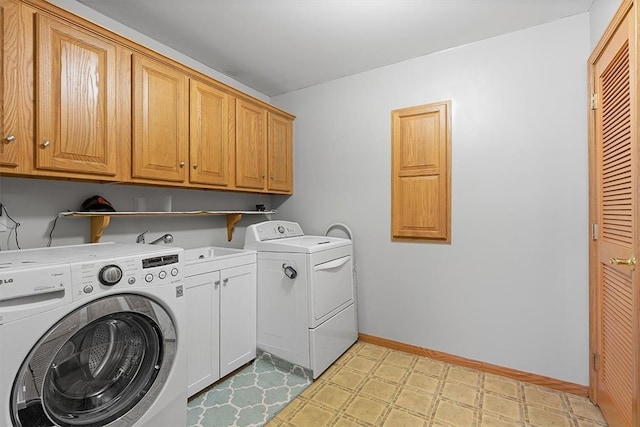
232 220
98 225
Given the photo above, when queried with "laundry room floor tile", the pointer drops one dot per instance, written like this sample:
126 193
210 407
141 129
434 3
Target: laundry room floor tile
251 396
376 386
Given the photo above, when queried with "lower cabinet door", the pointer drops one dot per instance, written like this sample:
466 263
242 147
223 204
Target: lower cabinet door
237 317
203 326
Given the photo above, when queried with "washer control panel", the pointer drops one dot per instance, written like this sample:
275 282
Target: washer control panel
137 271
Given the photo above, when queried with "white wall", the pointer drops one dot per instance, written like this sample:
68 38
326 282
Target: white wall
600 15
512 287
35 203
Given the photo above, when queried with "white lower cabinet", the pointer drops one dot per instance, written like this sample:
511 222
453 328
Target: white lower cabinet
237 317
221 324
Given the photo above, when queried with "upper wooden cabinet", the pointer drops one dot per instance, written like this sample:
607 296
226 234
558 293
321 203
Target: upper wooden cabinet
16 88
263 149
160 121
251 145
280 156
76 99
210 130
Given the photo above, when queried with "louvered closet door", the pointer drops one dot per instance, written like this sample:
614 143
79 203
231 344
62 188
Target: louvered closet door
616 176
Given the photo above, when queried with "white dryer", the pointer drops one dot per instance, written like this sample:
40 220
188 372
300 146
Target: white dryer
92 335
306 297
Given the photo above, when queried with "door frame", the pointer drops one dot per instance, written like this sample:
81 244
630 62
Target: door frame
594 308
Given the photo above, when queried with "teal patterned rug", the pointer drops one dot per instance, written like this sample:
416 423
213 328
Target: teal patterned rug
251 396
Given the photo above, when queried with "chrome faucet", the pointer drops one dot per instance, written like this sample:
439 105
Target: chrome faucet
140 238
167 238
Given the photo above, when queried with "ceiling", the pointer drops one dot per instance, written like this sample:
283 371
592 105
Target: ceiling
277 46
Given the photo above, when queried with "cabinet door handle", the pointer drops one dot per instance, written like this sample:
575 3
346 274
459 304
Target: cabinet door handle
217 282
10 138
225 281
47 143
181 164
195 166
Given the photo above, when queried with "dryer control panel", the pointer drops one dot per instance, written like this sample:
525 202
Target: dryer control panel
271 230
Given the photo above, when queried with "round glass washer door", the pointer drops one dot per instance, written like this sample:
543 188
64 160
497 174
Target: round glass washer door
102 362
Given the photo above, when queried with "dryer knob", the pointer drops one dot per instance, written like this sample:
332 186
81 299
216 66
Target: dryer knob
110 275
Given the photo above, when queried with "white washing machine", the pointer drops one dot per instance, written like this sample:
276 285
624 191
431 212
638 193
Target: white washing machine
93 335
306 296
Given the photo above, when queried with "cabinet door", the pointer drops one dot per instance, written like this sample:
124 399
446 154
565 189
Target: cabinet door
203 339
251 144
16 101
160 121
280 159
237 317
209 135
76 99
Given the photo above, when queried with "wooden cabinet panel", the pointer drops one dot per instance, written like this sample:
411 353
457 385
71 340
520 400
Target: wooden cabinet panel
76 99
16 88
209 135
421 172
160 121
251 145
280 158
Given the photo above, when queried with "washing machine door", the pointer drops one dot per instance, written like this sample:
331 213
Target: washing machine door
103 364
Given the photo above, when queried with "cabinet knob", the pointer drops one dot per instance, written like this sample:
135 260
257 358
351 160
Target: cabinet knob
217 282
10 138
195 166
181 164
225 281
47 143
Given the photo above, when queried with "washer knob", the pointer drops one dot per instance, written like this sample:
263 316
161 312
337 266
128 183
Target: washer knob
280 229
110 275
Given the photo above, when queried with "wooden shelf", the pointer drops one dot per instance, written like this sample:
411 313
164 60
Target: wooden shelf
100 220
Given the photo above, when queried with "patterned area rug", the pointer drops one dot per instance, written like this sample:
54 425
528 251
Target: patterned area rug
250 397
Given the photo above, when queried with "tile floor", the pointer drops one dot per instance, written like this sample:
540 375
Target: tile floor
375 386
